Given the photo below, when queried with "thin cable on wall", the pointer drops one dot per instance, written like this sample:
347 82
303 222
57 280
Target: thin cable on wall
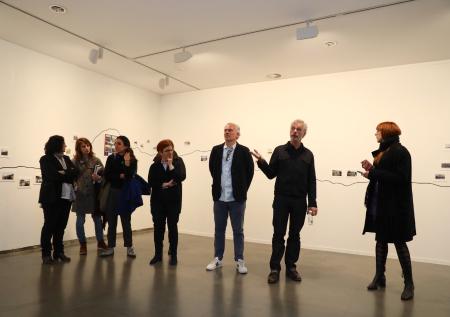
354 183
19 166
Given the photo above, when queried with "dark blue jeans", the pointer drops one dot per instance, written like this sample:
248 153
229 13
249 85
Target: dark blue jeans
236 210
81 218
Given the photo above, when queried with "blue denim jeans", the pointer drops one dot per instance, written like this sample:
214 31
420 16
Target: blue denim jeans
236 211
81 218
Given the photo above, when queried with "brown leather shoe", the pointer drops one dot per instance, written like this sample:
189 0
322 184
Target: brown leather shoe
293 275
274 277
101 245
83 249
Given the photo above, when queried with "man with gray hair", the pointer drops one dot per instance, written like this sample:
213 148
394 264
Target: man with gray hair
293 166
231 167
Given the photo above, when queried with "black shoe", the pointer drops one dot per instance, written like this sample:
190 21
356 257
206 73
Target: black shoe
61 257
274 277
156 259
378 281
173 260
293 275
47 260
408 291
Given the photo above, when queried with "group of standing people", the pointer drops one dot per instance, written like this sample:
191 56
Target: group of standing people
390 212
77 184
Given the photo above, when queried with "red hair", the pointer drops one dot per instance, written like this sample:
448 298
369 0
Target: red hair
387 129
163 144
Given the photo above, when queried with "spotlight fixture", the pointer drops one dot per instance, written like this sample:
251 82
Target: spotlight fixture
330 43
307 32
182 56
57 9
95 55
164 82
274 76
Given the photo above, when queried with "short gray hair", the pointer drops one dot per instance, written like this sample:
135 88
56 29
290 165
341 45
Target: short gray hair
236 126
303 123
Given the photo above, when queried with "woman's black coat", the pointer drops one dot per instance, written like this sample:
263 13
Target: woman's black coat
393 218
52 180
157 175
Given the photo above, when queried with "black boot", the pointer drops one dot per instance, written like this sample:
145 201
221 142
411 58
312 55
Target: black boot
405 262
61 257
158 255
408 291
379 280
157 258
173 259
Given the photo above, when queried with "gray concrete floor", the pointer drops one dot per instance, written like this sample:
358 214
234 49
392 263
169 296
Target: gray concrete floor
333 285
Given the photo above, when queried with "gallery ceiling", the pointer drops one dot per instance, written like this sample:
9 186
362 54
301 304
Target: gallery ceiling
232 42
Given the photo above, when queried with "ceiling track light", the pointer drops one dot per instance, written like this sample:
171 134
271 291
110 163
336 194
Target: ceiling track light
307 32
95 55
182 56
164 82
57 9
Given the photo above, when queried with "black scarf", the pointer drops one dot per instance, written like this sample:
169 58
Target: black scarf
385 144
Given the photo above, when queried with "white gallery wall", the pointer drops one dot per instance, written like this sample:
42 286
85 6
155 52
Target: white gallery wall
342 111
41 96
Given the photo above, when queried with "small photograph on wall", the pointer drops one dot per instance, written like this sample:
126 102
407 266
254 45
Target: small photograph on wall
336 173
24 183
439 177
109 144
351 173
4 152
8 177
203 158
37 180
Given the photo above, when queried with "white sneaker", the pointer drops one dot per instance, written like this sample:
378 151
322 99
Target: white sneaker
107 252
215 264
130 252
240 266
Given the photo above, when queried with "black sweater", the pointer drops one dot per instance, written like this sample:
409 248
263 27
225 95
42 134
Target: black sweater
115 165
294 170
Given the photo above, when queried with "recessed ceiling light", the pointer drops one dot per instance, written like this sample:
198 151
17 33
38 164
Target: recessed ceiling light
330 43
274 76
57 9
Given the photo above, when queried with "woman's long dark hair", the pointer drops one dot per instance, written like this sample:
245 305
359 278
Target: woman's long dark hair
127 143
54 145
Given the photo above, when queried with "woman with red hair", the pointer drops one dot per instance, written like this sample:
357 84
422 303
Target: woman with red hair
389 202
165 177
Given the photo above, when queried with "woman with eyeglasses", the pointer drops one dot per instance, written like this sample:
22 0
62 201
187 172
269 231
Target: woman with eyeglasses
165 178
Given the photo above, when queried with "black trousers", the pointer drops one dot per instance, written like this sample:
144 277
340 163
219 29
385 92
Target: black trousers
161 212
56 216
111 217
284 209
125 219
